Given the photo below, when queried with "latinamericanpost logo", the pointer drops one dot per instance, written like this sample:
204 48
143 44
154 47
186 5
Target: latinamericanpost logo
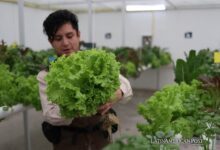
176 141
216 57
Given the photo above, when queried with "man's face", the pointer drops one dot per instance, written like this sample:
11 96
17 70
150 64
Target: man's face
66 40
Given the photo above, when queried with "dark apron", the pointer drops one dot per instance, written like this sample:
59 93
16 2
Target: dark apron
83 133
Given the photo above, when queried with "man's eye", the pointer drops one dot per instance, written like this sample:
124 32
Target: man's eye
57 38
69 36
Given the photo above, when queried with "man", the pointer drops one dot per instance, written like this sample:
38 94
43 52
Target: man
82 133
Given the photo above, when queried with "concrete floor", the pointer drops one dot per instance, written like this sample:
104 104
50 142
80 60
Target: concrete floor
12 129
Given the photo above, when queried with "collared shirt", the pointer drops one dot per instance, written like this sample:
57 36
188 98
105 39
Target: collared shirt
51 111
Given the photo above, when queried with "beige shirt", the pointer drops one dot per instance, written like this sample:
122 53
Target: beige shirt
51 111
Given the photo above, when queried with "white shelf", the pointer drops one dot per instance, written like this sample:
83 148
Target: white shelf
11 110
16 109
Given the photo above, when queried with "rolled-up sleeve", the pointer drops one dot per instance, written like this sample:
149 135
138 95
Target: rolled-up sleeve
51 111
126 89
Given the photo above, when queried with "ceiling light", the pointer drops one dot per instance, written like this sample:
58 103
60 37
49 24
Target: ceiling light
145 7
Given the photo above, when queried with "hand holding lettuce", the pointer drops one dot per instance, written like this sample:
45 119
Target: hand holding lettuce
83 81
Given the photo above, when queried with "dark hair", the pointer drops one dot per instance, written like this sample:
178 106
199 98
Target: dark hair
56 19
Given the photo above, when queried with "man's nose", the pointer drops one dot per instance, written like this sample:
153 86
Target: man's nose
65 41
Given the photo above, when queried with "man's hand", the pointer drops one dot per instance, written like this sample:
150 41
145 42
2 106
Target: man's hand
105 107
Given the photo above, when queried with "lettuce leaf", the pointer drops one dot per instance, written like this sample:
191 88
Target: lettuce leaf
83 81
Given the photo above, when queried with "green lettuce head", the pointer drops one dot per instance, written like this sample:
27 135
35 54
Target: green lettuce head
83 81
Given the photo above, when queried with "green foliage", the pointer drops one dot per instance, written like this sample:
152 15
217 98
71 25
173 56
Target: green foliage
18 89
128 57
28 91
130 143
148 56
208 119
24 61
194 66
129 69
155 56
213 70
83 81
19 67
167 110
8 90
204 118
138 143
212 86
107 49
183 126
189 109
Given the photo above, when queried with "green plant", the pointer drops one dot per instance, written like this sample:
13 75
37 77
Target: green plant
212 86
19 67
24 61
128 69
18 89
138 143
129 143
27 91
167 110
191 110
155 56
8 90
202 67
129 59
194 66
211 110
83 81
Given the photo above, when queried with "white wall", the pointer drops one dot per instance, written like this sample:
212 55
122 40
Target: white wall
33 20
83 27
167 28
154 79
8 23
170 27
108 23
136 25
34 36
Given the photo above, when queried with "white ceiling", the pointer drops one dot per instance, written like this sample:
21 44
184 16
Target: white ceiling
117 4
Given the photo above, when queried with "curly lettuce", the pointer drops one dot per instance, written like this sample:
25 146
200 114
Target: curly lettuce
8 89
171 109
82 81
27 94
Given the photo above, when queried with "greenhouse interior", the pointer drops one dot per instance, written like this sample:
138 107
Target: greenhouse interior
144 75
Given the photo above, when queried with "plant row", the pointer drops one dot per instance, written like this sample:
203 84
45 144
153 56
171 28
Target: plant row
190 107
19 67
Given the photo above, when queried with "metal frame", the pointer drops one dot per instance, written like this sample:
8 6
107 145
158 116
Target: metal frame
22 43
53 6
14 110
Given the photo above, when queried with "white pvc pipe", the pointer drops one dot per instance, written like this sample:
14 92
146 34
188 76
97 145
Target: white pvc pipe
22 43
90 21
123 27
26 130
14 110
11 110
21 23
